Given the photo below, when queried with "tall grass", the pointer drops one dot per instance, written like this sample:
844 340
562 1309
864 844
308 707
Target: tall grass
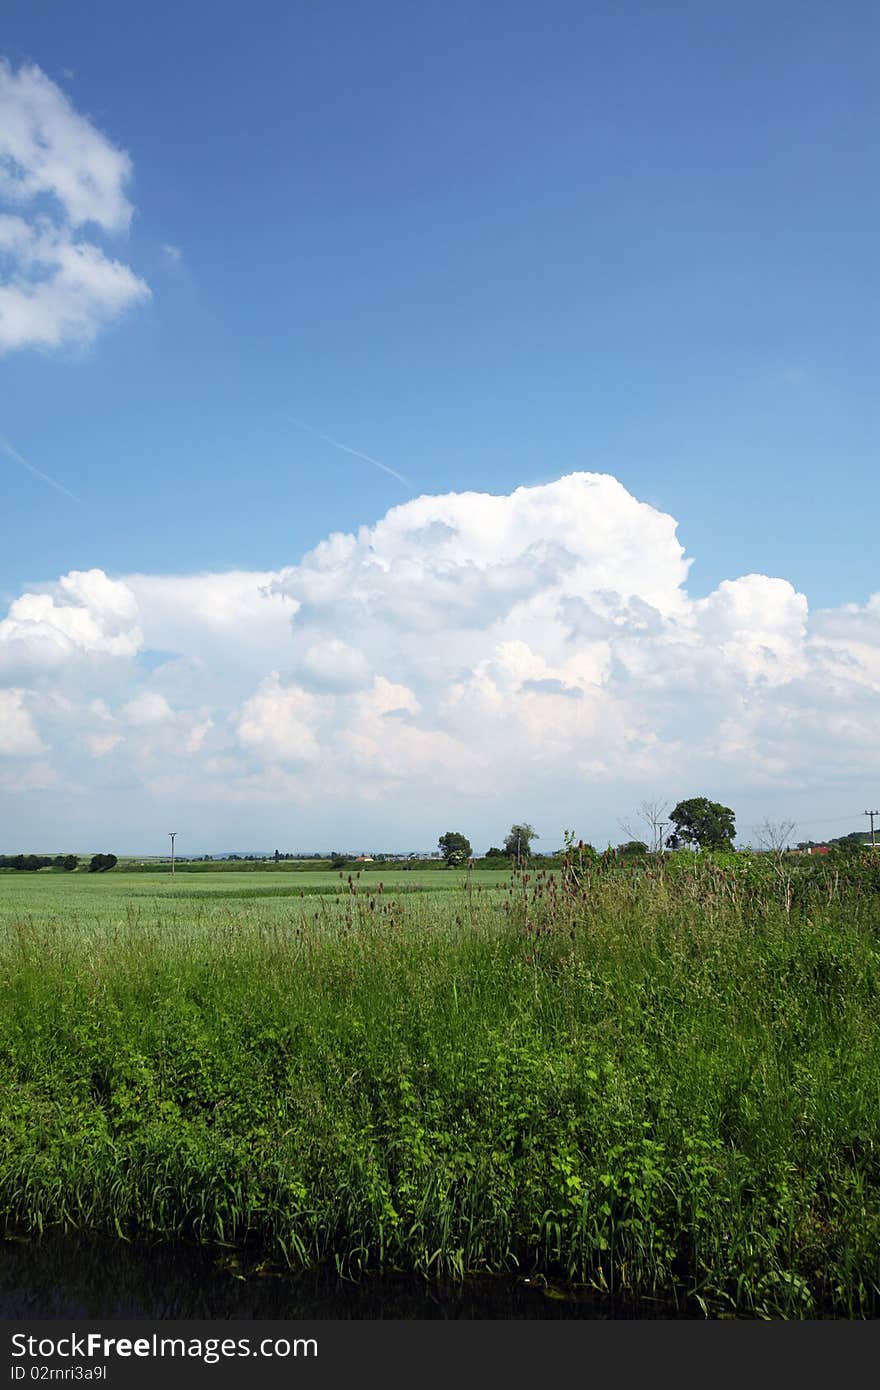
664 1083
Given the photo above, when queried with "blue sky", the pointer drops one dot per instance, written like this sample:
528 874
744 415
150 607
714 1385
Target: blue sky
488 246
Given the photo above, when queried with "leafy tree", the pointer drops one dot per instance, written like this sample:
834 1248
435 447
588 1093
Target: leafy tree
455 848
100 863
853 843
30 863
632 847
518 841
337 860
494 853
702 822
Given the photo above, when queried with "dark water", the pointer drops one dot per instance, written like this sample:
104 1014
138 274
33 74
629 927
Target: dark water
66 1278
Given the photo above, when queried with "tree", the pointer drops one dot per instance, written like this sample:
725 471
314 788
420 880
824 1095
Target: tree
455 848
702 822
632 847
652 813
100 863
774 836
494 853
854 843
337 860
518 841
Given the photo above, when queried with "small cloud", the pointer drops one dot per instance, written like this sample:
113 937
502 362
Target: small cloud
173 254
59 174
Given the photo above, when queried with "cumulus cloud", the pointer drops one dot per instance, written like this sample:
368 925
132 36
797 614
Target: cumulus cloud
58 174
199 616
85 614
334 665
277 723
148 708
18 735
467 559
536 654
60 289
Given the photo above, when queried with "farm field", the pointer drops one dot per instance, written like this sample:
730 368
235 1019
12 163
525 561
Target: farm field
661 1083
102 899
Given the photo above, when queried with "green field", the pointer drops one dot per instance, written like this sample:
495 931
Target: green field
665 1081
84 900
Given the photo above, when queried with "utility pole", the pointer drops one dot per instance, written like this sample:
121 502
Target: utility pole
172 833
871 815
661 826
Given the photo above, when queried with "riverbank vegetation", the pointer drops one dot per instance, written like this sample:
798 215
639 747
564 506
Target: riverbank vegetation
659 1079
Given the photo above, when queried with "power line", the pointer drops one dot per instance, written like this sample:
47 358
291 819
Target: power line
833 820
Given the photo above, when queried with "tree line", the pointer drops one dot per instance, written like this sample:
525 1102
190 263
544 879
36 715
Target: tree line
456 848
696 821
29 863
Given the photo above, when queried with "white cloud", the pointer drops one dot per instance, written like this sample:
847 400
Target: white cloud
99 745
532 655
276 723
465 559
198 616
18 736
18 778
86 614
334 665
381 740
58 174
148 708
47 147
60 289
198 733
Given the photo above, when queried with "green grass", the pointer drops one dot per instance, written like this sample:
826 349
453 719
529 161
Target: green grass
86 900
663 1083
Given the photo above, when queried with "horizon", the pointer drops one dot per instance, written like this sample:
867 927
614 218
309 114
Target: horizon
740 845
